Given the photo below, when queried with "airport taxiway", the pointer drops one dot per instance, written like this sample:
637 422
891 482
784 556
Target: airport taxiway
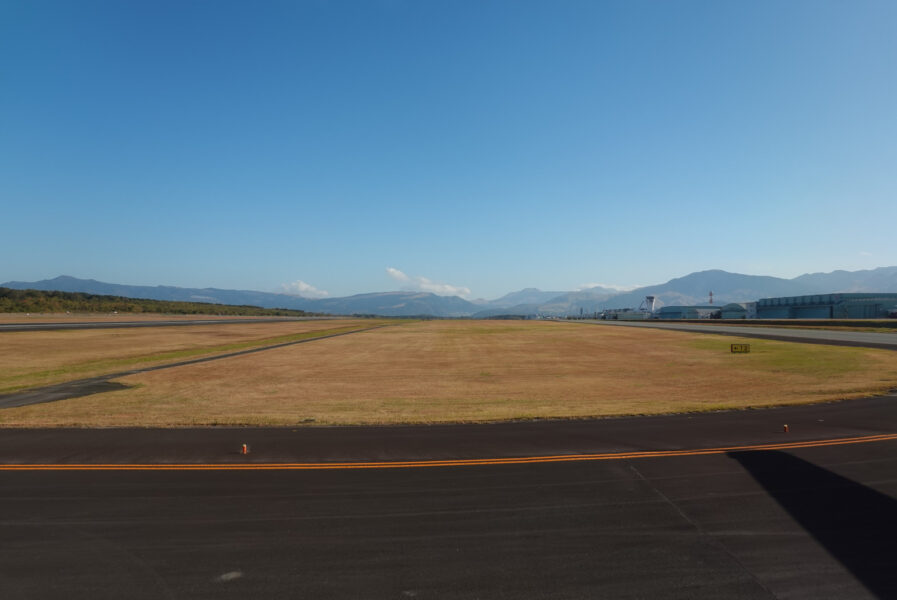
795 522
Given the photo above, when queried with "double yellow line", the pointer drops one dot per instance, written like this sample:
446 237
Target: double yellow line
441 463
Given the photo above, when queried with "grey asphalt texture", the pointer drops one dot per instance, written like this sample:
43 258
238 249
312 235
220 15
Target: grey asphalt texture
802 523
869 416
862 339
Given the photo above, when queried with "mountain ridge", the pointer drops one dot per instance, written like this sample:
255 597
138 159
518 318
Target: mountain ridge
689 289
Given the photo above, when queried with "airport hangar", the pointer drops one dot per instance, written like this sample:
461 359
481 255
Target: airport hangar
829 306
813 306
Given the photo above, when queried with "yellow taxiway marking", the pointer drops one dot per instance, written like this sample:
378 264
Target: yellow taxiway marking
462 462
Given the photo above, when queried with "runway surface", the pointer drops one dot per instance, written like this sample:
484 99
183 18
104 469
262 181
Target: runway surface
128 324
813 522
863 339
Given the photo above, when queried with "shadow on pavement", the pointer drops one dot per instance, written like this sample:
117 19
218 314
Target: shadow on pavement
856 524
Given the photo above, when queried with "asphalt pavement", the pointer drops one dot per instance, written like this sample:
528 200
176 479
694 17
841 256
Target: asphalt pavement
851 418
800 522
811 523
862 339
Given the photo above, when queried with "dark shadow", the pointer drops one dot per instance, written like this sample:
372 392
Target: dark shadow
856 524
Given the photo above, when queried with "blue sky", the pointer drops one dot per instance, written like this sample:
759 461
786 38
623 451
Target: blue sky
476 147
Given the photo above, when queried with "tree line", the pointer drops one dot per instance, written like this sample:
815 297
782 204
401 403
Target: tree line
38 301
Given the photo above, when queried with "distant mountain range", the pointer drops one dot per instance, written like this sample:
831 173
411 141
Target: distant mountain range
396 304
688 290
524 296
727 287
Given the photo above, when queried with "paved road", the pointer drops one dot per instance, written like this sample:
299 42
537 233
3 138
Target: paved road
803 523
128 324
865 339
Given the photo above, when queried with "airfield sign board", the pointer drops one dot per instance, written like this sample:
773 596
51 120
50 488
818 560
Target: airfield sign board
740 348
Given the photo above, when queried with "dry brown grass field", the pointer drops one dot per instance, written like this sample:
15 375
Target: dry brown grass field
464 371
110 317
32 358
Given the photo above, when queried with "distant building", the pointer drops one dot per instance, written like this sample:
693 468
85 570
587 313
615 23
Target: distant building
739 310
624 314
688 312
828 306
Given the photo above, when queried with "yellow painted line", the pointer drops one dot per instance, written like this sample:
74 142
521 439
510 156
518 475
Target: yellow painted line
442 463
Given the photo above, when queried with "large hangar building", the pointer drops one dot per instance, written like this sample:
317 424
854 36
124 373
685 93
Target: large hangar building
829 306
687 312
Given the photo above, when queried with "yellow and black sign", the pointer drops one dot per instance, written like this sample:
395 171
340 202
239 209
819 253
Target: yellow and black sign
741 348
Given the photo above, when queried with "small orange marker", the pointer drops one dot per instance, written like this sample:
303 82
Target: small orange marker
246 448
786 431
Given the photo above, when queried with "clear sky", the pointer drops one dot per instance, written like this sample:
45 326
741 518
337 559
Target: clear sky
473 146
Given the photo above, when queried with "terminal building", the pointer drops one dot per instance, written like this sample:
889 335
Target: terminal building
829 306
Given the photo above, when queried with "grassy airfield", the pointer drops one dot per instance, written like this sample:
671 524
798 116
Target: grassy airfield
425 372
38 358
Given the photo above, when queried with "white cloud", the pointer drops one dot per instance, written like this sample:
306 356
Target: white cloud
300 288
442 289
397 275
422 284
610 286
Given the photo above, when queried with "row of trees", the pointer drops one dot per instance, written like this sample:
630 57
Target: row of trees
37 301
